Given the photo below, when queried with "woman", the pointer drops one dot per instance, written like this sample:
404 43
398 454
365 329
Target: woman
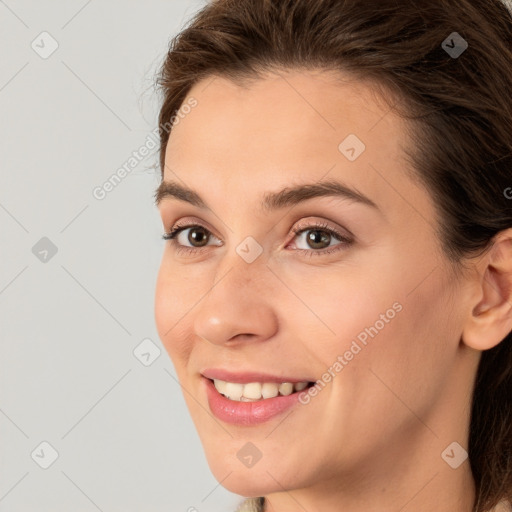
336 288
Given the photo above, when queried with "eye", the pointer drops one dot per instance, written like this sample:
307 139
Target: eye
319 235
198 236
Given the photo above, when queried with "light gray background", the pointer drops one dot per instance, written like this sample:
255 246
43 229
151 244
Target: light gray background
69 326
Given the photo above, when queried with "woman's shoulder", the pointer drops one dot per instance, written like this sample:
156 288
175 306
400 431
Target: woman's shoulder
503 506
254 505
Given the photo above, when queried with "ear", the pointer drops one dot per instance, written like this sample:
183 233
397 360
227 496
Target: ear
490 318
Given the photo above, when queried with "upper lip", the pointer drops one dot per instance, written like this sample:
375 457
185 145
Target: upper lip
249 376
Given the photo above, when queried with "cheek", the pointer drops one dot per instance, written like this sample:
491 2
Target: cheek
392 322
174 301
405 366
341 308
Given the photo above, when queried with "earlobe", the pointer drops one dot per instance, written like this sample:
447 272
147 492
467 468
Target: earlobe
490 319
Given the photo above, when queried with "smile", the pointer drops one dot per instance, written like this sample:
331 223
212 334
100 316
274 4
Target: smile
251 402
256 391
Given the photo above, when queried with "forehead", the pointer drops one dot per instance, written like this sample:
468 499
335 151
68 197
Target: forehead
289 108
281 118
291 128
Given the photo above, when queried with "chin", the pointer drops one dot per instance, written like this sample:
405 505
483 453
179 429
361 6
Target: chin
263 478
249 483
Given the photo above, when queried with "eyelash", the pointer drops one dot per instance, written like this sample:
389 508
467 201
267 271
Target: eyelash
345 241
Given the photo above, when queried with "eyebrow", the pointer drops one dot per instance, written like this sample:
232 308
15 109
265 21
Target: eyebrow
271 201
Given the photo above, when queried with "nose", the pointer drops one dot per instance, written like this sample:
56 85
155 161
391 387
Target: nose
237 306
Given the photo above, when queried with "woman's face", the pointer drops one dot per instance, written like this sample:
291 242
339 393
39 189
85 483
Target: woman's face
360 299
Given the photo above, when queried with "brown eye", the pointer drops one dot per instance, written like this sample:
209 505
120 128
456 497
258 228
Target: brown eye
317 237
197 236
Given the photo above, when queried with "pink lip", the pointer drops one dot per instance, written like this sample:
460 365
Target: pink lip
246 377
246 413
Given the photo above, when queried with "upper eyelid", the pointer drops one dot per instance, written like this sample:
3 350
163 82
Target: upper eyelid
306 226
193 224
170 212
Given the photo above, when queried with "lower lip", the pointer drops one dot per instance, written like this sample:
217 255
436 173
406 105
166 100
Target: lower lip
247 413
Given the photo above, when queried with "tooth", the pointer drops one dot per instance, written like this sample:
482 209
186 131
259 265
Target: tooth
269 390
299 386
243 399
234 390
220 386
286 388
252 390
255 391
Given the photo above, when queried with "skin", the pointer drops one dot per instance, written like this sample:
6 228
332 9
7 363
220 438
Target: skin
372 439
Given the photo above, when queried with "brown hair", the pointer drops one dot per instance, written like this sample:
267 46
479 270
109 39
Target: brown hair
459 107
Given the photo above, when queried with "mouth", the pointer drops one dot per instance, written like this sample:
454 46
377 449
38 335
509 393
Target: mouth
257 391
251 402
